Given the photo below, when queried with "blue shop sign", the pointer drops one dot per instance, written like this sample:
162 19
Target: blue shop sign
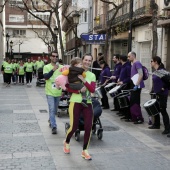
93 38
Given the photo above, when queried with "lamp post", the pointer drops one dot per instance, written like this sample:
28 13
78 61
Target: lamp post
76 22
7 44
56 38
20 48
11 45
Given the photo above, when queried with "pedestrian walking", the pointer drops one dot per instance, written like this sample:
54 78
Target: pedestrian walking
76 108
50 72
29 67
137 84
21 72
161 90
8 71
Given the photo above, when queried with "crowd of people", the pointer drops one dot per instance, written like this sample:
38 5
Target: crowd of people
128 73
16 71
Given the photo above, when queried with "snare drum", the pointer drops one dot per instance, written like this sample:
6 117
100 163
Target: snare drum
152 107
123 101
98 92
109 86
115 91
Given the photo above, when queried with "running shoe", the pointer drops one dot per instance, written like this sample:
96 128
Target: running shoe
66 147
86 155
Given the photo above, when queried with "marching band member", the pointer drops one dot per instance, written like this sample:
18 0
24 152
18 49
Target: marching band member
159 87
137 85
103 81
124 79
115 76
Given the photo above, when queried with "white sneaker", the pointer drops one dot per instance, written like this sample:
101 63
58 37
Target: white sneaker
30 84
27 84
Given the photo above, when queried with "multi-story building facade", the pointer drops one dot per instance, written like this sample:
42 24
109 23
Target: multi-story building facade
164 26
2 23
71 35
26 32
141 30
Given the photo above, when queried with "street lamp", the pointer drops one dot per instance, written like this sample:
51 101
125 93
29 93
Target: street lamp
76 22
20 47
56 37
7 43
11 45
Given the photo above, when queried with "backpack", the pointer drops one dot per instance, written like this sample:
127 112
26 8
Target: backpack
145 73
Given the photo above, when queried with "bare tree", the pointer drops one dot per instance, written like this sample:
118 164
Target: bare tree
2 5
45 6
115 10
154 10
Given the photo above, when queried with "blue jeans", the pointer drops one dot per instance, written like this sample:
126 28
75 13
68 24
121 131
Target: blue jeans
53 106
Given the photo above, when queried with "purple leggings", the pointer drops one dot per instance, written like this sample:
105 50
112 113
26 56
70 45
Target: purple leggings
75 110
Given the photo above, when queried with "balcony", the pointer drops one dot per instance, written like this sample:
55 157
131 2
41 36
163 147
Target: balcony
71 43
119 19
100 23
141 14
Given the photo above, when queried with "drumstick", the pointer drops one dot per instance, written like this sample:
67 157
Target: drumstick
106 77
127 90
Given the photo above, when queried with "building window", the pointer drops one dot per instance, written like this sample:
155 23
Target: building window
19 33
16 18
13 3
44 17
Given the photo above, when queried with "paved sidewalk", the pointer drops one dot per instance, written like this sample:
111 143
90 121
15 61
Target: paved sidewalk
26 142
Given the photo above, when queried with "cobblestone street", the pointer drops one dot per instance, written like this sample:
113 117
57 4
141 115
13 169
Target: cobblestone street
26 142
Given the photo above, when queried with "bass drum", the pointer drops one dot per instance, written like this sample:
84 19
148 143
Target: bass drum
152 107
123 101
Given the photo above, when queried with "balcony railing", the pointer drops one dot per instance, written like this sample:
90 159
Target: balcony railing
119 19
100 22
138 13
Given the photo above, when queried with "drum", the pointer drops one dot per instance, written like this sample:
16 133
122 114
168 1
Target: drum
123 101
109 86
98 92
152 107
115 91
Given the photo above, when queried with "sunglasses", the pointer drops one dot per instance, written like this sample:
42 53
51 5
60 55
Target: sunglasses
54 56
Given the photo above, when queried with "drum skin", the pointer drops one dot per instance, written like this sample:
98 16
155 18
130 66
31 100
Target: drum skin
115 91
109 86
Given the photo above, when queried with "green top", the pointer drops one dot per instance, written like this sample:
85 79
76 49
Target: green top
21 69
15 65
50 88
39 64
3 63
90 77
8 68
29 67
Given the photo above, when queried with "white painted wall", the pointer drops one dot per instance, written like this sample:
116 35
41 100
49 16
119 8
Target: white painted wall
30 43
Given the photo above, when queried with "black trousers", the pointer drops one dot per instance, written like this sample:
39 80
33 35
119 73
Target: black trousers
104 100
21 78
7 77
28 77
162 100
